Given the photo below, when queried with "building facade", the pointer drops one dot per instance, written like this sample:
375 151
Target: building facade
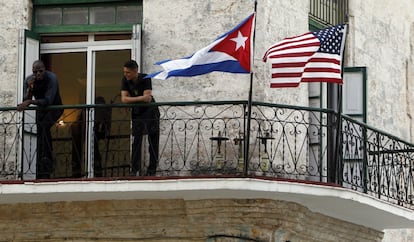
86 43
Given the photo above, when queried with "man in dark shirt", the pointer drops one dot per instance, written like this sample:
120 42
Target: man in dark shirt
145 119
43 86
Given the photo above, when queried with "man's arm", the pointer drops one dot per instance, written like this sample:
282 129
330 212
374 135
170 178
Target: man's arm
28 94
146 98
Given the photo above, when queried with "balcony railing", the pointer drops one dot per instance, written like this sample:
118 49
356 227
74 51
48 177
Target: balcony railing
209 139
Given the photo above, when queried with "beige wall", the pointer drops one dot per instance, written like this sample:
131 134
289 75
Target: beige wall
15 16
174 220
186 26
380 38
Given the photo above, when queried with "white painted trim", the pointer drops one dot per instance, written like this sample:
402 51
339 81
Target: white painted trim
104 45
336 202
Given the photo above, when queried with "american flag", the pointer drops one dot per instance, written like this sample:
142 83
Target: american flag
311 57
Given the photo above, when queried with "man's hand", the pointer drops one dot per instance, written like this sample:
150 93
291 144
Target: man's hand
23 105
147 98
30 83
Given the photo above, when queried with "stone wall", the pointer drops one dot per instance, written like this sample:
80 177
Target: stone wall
15 16
380 38
174 220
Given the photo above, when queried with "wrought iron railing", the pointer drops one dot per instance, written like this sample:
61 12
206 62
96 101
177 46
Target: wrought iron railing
377 163
208 139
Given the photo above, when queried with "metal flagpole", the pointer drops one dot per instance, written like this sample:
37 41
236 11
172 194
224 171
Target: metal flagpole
338 171
249 103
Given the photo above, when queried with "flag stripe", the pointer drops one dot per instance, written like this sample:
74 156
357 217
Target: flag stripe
282 75
285 84
330 80
288 64
310 57
290 41
294 48
282 54
328 70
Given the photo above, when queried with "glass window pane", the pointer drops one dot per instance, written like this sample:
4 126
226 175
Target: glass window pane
75 16
129 14
48 16
102 15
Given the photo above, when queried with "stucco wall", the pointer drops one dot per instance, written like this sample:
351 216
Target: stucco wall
174 220
178 29
379 38
15 16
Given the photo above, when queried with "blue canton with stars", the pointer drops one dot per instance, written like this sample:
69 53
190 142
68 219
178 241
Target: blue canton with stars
330 39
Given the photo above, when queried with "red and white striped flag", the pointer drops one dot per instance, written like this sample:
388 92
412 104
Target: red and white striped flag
311 57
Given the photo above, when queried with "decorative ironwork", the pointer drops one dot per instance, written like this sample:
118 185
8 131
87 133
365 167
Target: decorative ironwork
208 139
377 163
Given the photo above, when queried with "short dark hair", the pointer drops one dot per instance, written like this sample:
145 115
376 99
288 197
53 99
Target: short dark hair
131 64
38 63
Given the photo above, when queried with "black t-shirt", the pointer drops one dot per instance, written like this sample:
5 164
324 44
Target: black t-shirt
137 89
45 91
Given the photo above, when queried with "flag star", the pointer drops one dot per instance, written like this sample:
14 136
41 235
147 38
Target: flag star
240 40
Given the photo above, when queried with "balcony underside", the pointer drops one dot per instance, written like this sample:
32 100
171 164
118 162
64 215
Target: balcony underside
329 200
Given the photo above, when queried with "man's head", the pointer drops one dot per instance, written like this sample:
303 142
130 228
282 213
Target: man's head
38 69
131 70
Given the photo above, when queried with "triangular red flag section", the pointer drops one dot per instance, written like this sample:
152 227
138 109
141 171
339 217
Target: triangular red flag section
238 43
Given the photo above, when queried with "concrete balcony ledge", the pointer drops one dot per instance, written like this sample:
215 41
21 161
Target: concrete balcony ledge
333 201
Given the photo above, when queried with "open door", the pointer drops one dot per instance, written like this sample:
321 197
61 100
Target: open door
136 44
29 49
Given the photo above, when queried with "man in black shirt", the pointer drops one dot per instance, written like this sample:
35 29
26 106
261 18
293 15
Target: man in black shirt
145 119
43 86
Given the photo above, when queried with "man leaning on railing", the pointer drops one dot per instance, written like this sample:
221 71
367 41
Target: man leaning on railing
43 86
135 88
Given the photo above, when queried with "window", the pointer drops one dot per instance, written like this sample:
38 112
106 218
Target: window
328 12
70 16
354 93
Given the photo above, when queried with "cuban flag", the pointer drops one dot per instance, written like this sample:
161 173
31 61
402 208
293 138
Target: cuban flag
231 52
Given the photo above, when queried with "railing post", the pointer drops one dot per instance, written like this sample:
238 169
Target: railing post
339 150
365 160
379 166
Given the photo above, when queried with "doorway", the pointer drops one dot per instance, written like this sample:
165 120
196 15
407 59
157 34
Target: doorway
89 72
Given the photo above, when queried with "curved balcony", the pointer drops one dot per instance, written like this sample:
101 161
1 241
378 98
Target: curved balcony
208 140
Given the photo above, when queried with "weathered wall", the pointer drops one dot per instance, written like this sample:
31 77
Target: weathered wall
186 26
174 220
15 16
379 38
